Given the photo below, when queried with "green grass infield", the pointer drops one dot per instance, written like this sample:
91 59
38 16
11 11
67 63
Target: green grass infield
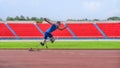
115 45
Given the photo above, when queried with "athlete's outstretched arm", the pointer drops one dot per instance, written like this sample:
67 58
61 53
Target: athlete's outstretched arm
62 28
47 21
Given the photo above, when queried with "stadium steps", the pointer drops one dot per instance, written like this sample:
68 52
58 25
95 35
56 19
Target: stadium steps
72 33
105 36
13 32
36 25
5 32
112 30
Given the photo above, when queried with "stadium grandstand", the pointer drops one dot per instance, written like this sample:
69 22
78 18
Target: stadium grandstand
75 30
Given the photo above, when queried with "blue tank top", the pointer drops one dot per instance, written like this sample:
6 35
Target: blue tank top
52 28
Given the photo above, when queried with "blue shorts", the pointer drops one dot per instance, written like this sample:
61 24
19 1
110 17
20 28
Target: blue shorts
46 35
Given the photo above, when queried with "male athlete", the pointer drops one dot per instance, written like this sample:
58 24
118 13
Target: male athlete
50 30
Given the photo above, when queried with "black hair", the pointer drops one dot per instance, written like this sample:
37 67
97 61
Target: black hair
58 22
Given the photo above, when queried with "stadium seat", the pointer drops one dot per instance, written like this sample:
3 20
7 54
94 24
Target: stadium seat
58 33
5 32
81 30
112 30
25 30
85 30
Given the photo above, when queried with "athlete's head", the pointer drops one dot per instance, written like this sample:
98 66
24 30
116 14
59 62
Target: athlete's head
58 23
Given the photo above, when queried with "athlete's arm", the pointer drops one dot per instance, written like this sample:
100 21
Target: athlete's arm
62 28
47 21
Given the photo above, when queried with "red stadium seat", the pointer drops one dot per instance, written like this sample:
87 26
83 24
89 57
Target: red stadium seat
112 30
85 30
26 30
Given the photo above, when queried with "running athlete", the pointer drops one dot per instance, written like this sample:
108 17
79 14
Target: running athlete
50 30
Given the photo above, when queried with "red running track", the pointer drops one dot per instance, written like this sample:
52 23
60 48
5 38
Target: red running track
60 59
